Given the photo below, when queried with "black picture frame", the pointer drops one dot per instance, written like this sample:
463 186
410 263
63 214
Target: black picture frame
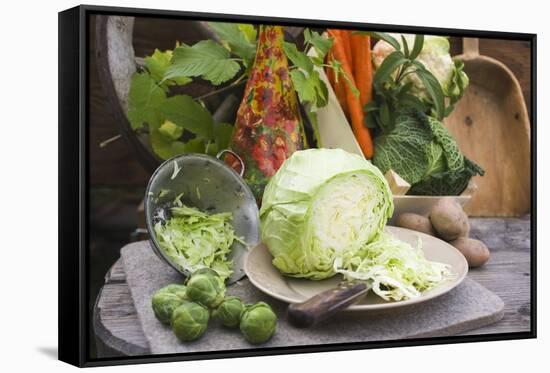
74 189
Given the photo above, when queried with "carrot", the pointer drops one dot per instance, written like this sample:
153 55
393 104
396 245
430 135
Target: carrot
338 87
346 38
362 66
361 132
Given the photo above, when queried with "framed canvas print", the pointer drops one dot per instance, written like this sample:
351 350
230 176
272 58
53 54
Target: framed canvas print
235 185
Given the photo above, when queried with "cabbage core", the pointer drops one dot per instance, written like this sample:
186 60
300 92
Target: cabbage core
342 213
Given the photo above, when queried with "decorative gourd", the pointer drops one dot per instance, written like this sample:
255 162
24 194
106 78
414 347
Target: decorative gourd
268 128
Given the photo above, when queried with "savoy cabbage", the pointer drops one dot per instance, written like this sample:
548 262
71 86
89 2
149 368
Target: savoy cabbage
422 151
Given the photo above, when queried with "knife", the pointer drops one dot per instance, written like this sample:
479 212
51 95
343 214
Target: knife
326 303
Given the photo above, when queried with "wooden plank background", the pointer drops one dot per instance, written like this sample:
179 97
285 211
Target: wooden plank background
115 164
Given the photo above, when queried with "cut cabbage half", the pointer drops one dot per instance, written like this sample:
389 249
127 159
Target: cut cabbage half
321 204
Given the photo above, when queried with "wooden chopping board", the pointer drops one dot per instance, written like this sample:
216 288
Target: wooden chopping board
491 126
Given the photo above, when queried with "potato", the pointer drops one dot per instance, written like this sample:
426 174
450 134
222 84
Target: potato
415 222
449 220
475 251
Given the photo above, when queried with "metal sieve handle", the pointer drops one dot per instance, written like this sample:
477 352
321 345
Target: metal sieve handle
223 151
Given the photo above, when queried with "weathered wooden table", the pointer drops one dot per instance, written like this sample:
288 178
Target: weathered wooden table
507 274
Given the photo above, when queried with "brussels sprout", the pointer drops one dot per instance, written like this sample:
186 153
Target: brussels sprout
229 312
258 323
164 304
206 287
177 289
189 321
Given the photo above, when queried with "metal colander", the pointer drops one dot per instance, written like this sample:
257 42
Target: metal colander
210 185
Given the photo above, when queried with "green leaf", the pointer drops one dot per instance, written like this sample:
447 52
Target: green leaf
304 87
385 116
371 106
321 44
434 91
403 149
158 63
336 66
144 100
249 32
417 47
170 130
458 83
411 101
222 135
183 111
194 146
351 84
453 157
405 46
382 36
165 148
313 119
387 68
234 39
206 59
299 59
310 88
447 183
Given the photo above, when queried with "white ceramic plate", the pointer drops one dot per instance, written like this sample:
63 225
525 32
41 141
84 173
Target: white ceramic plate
268 279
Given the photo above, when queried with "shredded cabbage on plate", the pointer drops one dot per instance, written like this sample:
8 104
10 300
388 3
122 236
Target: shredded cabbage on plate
193 239
393 269
324 213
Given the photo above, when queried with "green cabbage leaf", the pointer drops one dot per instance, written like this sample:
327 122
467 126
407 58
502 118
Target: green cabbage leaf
423 152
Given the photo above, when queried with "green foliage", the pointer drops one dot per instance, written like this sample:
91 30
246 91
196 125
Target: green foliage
144 101
312 91
381 36
402 149
188 114
236 39
158 63
415 67
421 150
178 123
298 58
310 88
249 32
206 59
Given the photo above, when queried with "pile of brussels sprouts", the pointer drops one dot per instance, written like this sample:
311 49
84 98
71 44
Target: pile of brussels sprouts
187 309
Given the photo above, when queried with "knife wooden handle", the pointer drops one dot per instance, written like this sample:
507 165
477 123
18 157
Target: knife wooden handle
325 304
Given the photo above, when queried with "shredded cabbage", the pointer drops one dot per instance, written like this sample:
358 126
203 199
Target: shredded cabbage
324 213
193 239
393 269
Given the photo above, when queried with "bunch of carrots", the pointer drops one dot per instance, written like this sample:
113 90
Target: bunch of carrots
354 54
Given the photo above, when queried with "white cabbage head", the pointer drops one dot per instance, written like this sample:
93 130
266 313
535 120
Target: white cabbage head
322 204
